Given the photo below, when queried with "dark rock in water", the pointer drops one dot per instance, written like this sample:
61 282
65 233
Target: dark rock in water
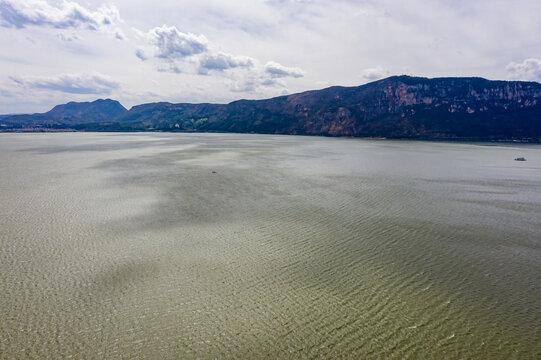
520 159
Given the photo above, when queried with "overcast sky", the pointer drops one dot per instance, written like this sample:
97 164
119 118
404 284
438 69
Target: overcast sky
139 51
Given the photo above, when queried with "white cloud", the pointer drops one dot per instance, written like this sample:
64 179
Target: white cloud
66 14
86 83
174 51
222 61
529 69
170 43
257 81
375 73
67 37
273 82
140 53
244 85
277 70
169 67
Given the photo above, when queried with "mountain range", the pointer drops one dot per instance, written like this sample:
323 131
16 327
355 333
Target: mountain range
395 107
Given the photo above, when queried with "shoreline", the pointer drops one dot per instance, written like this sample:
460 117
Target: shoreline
449 139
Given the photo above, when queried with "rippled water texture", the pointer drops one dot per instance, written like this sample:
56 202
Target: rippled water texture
253 246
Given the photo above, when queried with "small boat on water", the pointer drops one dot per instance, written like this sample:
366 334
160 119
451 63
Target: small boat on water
520 159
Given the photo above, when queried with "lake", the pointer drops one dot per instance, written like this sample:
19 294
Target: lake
179 246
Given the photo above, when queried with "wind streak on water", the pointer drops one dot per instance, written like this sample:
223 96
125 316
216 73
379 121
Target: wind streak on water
253 246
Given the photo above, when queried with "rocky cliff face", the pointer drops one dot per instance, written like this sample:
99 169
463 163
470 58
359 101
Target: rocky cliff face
419 107
403 91
399 106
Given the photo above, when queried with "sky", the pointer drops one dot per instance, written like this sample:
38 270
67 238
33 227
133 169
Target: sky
135 51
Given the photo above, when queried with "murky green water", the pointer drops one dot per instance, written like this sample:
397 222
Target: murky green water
249 246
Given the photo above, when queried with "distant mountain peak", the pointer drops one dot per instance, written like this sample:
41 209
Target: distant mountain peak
100 110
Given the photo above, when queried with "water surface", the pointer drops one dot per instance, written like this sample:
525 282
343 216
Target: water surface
256 246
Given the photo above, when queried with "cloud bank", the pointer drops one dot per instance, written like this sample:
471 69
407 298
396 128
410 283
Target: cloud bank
86 83
277 70
222 61
178 52
67 14
375 73
170 43
529 69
